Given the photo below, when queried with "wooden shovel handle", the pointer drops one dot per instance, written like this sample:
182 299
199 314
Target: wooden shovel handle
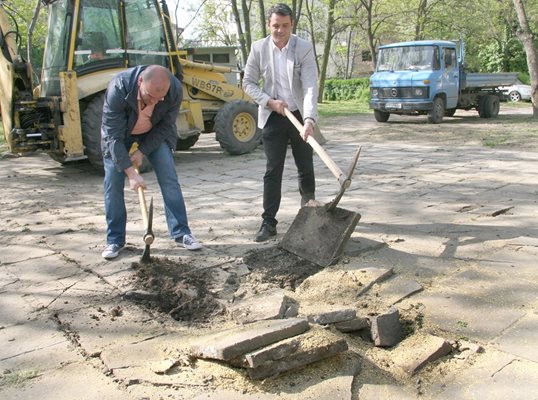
143 206
337 172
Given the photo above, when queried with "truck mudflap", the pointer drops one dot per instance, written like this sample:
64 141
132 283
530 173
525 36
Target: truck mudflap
401 107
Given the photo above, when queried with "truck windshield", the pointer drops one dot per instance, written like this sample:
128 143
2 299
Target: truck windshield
414 58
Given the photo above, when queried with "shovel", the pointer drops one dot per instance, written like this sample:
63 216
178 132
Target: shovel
147 217
319 234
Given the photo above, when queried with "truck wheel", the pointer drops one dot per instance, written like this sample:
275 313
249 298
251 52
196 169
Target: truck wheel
492 106
236 127
91 134
488 106
187 143
435 115
381 116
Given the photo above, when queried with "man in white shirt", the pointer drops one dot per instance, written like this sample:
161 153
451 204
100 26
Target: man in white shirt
287 67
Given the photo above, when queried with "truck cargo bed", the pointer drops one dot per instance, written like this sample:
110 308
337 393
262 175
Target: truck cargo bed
480 80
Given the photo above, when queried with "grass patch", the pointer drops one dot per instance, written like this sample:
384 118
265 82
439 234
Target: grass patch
494 141
17 378
338 108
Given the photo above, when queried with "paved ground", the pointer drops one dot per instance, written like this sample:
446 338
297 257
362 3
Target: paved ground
460 219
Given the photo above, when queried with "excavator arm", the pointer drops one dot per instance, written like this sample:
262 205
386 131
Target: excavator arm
15 73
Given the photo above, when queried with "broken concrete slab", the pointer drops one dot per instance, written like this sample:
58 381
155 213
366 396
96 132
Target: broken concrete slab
353 325
386 329
273 352
397 289
332 316
273 305
234 342
416 351
314 345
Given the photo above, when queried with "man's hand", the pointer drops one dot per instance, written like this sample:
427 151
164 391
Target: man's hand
136 158
277 106
135 179
308 129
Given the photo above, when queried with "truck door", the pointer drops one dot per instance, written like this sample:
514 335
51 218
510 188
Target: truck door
450 76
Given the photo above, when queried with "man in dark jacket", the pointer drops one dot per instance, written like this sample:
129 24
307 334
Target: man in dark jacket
141 106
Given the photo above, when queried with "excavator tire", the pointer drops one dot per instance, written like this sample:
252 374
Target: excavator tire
187 143
91 131
236 127
91 134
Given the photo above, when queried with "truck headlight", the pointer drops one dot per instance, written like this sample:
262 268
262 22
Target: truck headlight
419 92
375 92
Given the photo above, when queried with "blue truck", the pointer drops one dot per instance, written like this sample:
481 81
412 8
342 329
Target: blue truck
427 77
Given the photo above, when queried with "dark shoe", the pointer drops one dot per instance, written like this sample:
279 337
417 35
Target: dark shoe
306 197
265 232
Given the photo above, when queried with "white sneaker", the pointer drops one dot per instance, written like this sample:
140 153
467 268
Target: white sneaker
190 242
112 250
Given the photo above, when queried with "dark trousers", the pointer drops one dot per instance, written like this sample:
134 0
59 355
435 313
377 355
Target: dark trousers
277 133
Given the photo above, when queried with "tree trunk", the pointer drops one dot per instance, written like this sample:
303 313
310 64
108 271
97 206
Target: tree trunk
246 23
368 6
311 31
526 37
326 49
421 17
244 49
348 53
297 6
263 18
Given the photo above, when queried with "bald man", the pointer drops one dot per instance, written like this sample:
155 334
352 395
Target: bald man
141 106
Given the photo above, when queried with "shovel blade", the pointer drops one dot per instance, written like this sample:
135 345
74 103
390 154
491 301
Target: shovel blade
146 256
319 235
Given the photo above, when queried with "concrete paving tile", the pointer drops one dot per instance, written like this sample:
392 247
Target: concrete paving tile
493 375
36 344
17 253
100 327
76 380
385 392
464 314
521 338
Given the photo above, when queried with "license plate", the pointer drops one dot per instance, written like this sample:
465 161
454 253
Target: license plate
393 106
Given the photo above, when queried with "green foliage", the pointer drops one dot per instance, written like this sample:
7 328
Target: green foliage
346 89
23 11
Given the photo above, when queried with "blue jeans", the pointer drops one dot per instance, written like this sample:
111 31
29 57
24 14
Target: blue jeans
162 160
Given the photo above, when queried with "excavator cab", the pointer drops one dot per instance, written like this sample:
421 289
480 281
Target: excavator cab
88 42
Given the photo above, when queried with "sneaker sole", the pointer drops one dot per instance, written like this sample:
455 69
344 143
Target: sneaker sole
198 247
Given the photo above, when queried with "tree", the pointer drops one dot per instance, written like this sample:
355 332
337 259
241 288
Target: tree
240 33
263 18
527 38
326 49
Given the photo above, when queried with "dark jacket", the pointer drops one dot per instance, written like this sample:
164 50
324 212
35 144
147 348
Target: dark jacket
120 113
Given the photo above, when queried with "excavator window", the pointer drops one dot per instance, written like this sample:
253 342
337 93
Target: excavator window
99 39
146 43
56 47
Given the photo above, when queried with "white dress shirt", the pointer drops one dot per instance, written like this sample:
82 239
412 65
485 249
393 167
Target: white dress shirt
282 81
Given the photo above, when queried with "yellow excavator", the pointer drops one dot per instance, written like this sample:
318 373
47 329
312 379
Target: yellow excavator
88 42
